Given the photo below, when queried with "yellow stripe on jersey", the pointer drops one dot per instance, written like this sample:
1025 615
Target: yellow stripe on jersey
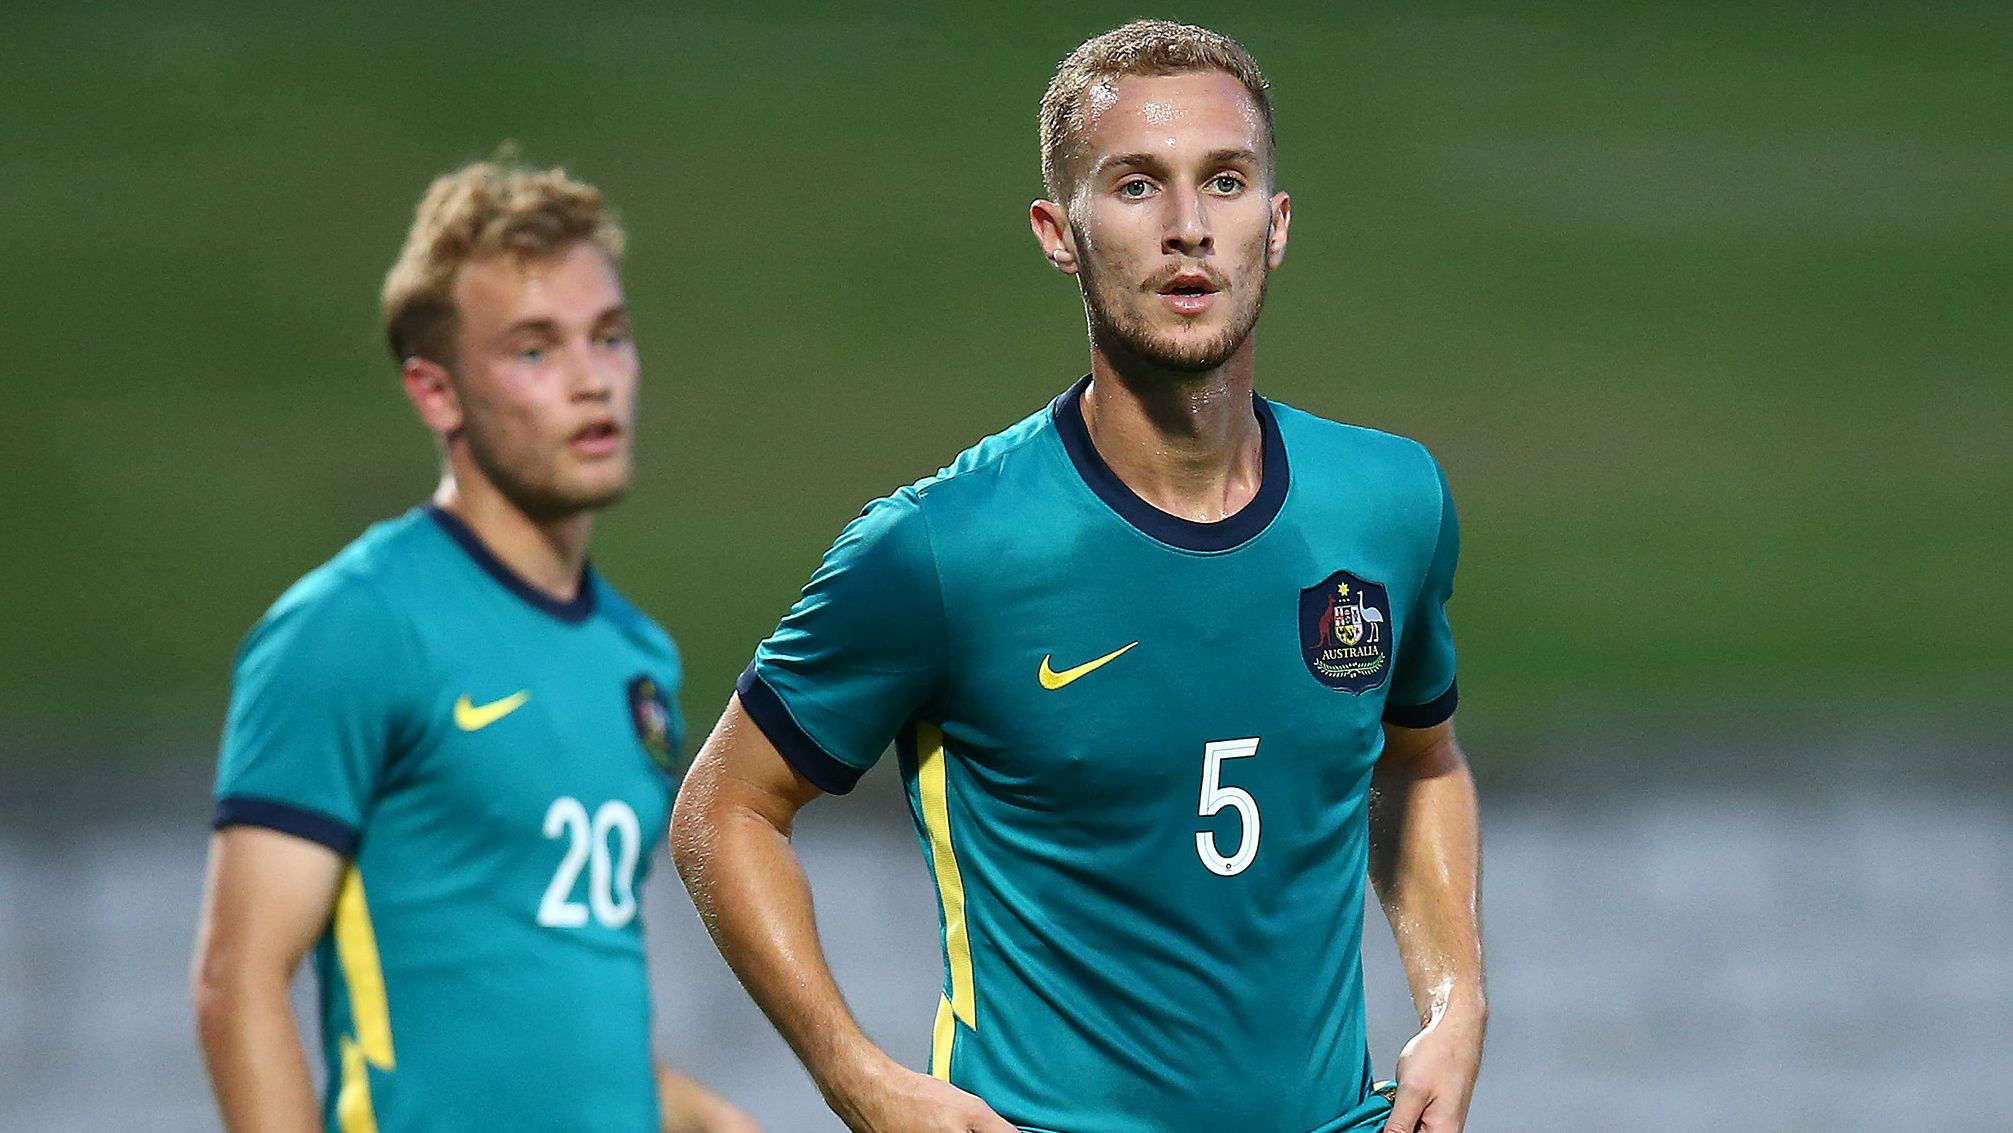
362 974
940 1040
353 1109
962 1003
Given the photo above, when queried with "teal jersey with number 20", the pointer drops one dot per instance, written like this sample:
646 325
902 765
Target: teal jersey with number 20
1138 751
493 765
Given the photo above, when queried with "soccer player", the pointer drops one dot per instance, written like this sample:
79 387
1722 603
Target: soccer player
448 751
1168 671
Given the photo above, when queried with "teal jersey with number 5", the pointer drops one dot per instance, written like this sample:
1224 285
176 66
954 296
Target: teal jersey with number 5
493 764
1138 751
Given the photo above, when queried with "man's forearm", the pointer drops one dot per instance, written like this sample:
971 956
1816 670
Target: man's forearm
253 1051
1425 861
750 890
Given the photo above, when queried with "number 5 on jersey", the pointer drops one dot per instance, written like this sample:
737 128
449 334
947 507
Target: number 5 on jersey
1216 796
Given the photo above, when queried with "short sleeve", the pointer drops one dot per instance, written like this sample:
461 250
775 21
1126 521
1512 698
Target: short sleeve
1423 691
861 652
313 715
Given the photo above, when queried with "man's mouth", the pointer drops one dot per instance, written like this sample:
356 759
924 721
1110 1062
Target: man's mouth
596 438
1189 293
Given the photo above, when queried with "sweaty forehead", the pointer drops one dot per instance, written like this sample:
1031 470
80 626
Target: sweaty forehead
1155 112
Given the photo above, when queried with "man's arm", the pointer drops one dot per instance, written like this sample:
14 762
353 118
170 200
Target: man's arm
1425 860
730 838
266 899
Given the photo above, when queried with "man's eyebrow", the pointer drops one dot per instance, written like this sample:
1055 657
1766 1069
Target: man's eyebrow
550 327
1127 161
1153 161
545 326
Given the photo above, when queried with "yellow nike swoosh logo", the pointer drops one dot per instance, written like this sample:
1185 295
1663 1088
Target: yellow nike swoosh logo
1052 680
470 717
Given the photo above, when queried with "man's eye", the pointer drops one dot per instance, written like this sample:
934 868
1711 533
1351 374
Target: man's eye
615 340
532 354
1226 184
1134 189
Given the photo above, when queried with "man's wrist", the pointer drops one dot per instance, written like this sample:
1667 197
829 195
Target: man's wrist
853 1070
1469 1004
1465 1007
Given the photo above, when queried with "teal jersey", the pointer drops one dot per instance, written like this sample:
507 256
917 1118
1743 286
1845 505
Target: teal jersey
494 764
1138 751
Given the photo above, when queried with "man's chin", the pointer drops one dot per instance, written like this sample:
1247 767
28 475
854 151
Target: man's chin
559 503
594 499
1183 348
593 486
1183 353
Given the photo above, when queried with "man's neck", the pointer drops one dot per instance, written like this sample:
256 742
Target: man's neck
549 556
1189 444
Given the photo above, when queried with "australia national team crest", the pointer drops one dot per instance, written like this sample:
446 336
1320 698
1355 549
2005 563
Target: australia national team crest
652 715
1345 632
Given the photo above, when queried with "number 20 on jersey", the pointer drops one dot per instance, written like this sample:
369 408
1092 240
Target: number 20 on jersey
611 877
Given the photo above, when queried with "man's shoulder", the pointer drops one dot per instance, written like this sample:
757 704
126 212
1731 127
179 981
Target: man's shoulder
1355 458
367 587
978 479
974 470
629 619
1332 436
899 540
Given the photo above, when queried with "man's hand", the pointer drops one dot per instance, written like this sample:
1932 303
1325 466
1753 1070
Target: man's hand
902 1101
1436 1075
688 1107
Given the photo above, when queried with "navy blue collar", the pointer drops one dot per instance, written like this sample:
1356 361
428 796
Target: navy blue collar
1173 530
578 610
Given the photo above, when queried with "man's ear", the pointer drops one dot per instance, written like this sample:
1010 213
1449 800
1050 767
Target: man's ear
1275 234
1051 230
431 390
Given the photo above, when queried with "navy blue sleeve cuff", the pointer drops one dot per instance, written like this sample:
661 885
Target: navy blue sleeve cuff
1434 711
828 774
240 810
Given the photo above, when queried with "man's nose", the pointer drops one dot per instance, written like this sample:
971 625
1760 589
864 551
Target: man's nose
590 376
1187 226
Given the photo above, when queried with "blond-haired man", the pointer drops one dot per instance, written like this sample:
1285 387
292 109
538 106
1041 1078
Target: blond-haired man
1168 669
448 750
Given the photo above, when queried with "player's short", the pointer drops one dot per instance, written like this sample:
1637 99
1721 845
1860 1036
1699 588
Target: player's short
1368 1117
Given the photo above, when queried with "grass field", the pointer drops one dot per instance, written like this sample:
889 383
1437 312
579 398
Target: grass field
1707 312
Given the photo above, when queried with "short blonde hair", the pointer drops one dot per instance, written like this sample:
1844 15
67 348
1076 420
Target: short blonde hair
1143 47
486 208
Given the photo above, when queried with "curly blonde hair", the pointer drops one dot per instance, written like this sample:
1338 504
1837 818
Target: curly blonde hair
1142 47
495 207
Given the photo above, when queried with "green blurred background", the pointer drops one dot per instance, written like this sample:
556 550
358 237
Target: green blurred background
1707 310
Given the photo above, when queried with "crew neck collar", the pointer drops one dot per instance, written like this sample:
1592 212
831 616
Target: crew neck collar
579 609
1187 534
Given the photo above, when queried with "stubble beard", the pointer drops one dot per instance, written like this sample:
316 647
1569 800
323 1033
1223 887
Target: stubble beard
536 487
1119 332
